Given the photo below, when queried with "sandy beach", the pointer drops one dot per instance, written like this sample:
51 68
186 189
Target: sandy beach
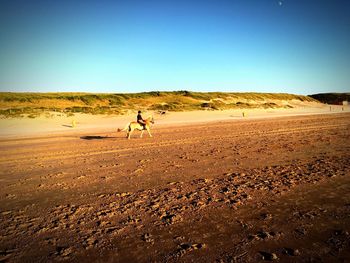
59 123
217 187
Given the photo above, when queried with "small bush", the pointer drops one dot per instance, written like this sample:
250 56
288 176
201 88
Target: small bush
243 104
209 105
269 105
33 115
89 99
116 100
173 106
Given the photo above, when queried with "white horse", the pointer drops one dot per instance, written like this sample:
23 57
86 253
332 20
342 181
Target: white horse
131 126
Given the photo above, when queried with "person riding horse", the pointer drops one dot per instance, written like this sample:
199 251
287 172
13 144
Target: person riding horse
141 120
141 125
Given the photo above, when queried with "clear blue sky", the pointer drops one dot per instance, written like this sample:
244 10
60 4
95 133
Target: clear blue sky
294 46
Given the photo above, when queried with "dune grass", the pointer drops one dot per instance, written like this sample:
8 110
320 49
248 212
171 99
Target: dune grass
32 104
332 98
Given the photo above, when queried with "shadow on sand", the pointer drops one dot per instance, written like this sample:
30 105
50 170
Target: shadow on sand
69 126
94 137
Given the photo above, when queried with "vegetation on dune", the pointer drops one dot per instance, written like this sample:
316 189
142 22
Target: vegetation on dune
332 98
33 104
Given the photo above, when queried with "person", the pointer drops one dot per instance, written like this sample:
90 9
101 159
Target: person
140 120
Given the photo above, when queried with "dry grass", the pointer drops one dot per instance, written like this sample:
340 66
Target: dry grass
24 104
332 98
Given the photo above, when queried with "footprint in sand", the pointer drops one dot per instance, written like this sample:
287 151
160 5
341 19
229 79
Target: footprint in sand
147 238
291 251
11 196
139 170
262 235
268 256
64 252
90 242
6 213
50 241
5 255
188 247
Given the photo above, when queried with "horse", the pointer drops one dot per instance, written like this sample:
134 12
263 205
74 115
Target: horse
131 126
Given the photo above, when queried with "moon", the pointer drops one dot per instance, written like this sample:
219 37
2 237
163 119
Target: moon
280 3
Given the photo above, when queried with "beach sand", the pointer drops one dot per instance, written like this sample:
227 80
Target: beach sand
209 186
59 123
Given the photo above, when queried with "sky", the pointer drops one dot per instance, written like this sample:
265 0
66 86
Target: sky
293 46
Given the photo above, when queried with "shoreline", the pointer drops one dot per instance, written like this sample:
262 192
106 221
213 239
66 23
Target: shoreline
42 126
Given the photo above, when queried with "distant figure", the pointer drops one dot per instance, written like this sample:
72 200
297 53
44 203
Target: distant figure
140 120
